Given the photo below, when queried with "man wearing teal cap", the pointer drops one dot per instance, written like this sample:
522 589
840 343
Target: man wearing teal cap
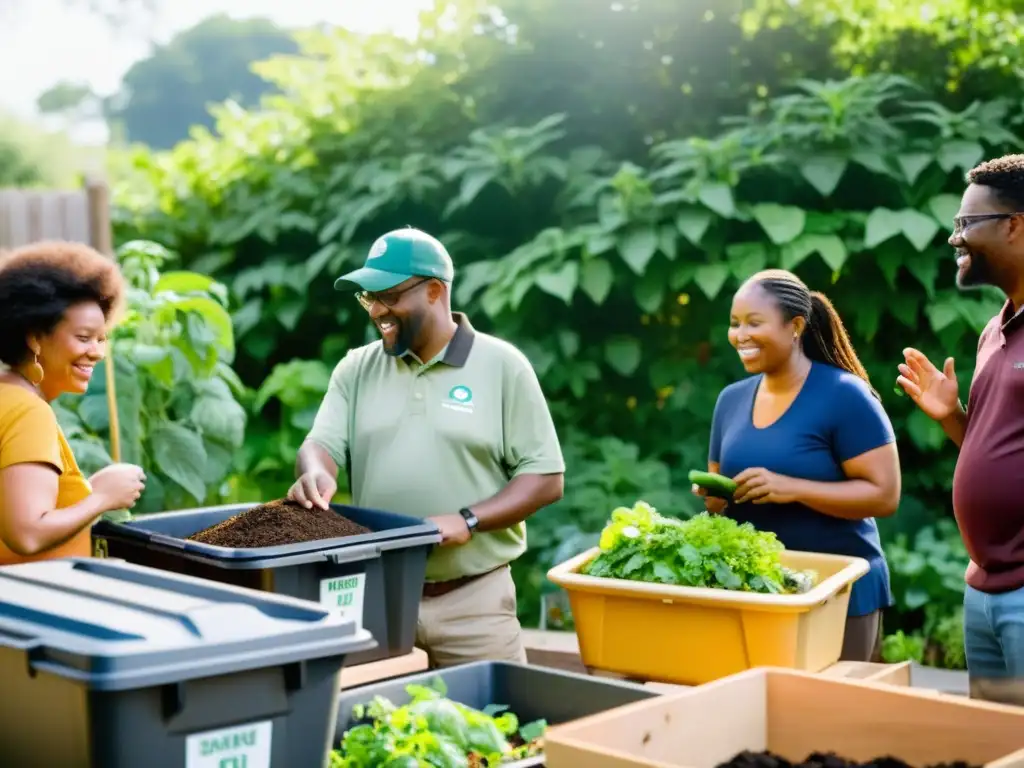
439 421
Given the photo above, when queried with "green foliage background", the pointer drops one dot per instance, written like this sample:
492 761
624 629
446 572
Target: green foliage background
605 175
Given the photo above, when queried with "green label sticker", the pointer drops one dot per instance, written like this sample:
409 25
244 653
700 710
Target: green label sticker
344 596
243 746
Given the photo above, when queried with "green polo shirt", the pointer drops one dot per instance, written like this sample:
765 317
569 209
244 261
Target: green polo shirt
427 439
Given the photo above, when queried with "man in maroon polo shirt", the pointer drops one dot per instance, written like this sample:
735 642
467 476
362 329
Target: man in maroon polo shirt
988 485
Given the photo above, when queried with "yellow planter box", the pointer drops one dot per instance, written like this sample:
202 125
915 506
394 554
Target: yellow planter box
691 635
792 714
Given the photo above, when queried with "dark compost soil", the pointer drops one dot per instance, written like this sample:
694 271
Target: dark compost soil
275 524
824 760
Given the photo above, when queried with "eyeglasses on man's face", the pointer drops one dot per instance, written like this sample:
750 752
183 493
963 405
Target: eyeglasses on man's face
960 223
387 298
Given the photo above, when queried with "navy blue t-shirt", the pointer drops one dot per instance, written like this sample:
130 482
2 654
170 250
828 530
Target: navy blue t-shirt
834 418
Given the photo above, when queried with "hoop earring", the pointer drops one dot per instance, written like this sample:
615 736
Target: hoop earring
38 374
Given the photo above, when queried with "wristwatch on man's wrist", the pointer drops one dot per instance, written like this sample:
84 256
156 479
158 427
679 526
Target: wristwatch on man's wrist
471 520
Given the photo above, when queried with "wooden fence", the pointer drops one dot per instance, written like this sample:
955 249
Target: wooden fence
83 216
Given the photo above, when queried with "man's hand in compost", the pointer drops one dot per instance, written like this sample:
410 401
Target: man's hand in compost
760 486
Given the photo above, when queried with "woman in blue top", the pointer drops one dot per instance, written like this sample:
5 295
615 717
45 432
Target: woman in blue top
807 440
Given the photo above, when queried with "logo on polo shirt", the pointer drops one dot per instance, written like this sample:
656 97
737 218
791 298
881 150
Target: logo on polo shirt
460 398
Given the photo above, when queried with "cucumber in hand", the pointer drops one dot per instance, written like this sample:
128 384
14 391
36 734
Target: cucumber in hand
715 485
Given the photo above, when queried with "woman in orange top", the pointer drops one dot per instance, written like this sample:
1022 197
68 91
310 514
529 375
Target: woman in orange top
57 301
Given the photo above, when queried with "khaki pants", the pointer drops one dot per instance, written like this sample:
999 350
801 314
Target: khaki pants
476 622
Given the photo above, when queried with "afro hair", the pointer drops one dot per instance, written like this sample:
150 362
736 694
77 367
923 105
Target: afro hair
1005 177
38 282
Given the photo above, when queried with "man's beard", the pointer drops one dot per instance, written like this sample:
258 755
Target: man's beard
405 335
976 275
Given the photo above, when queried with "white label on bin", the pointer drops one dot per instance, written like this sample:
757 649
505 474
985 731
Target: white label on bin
344 595
244 746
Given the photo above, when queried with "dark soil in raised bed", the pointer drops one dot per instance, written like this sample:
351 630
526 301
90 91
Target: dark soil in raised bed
278 523
824 760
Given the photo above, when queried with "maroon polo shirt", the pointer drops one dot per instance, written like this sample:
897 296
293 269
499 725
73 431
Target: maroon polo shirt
988 486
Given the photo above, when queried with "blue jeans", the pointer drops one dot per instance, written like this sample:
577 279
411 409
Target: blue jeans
994 641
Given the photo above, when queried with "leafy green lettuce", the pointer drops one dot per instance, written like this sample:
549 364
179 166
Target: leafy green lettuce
432 731
705 551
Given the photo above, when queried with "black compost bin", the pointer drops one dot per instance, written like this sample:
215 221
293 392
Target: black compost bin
106 664
377 578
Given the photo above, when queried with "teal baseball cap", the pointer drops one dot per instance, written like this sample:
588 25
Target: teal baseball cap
397 256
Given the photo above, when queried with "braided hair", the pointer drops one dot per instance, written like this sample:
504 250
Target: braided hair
826 340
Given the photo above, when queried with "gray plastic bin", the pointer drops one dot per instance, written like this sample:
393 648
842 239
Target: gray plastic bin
105 664
380 573
531 693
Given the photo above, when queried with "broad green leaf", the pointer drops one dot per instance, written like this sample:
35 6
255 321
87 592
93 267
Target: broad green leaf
649 291
718 197
913 163
960 154
919 229
602 242
569 341
793 254
93 411
289 311
905 310
179 454
183 282
215 315
924 267
925 432
90 453
889 258
219 459
247 317
943 312
560 283
746 259
494 301
681 275
146 355
622 353
979 312
596 278
944 208
873 161
867 315
692 224
474 277
882 224
638 247
667 241
316 263
819 223
130 408
824 172
219 419
610 214
782 223
830 247
710 278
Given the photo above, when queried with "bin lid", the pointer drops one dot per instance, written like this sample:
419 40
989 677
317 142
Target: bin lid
114 625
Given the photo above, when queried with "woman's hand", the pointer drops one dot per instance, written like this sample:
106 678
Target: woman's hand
763 487
712 504
118 486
